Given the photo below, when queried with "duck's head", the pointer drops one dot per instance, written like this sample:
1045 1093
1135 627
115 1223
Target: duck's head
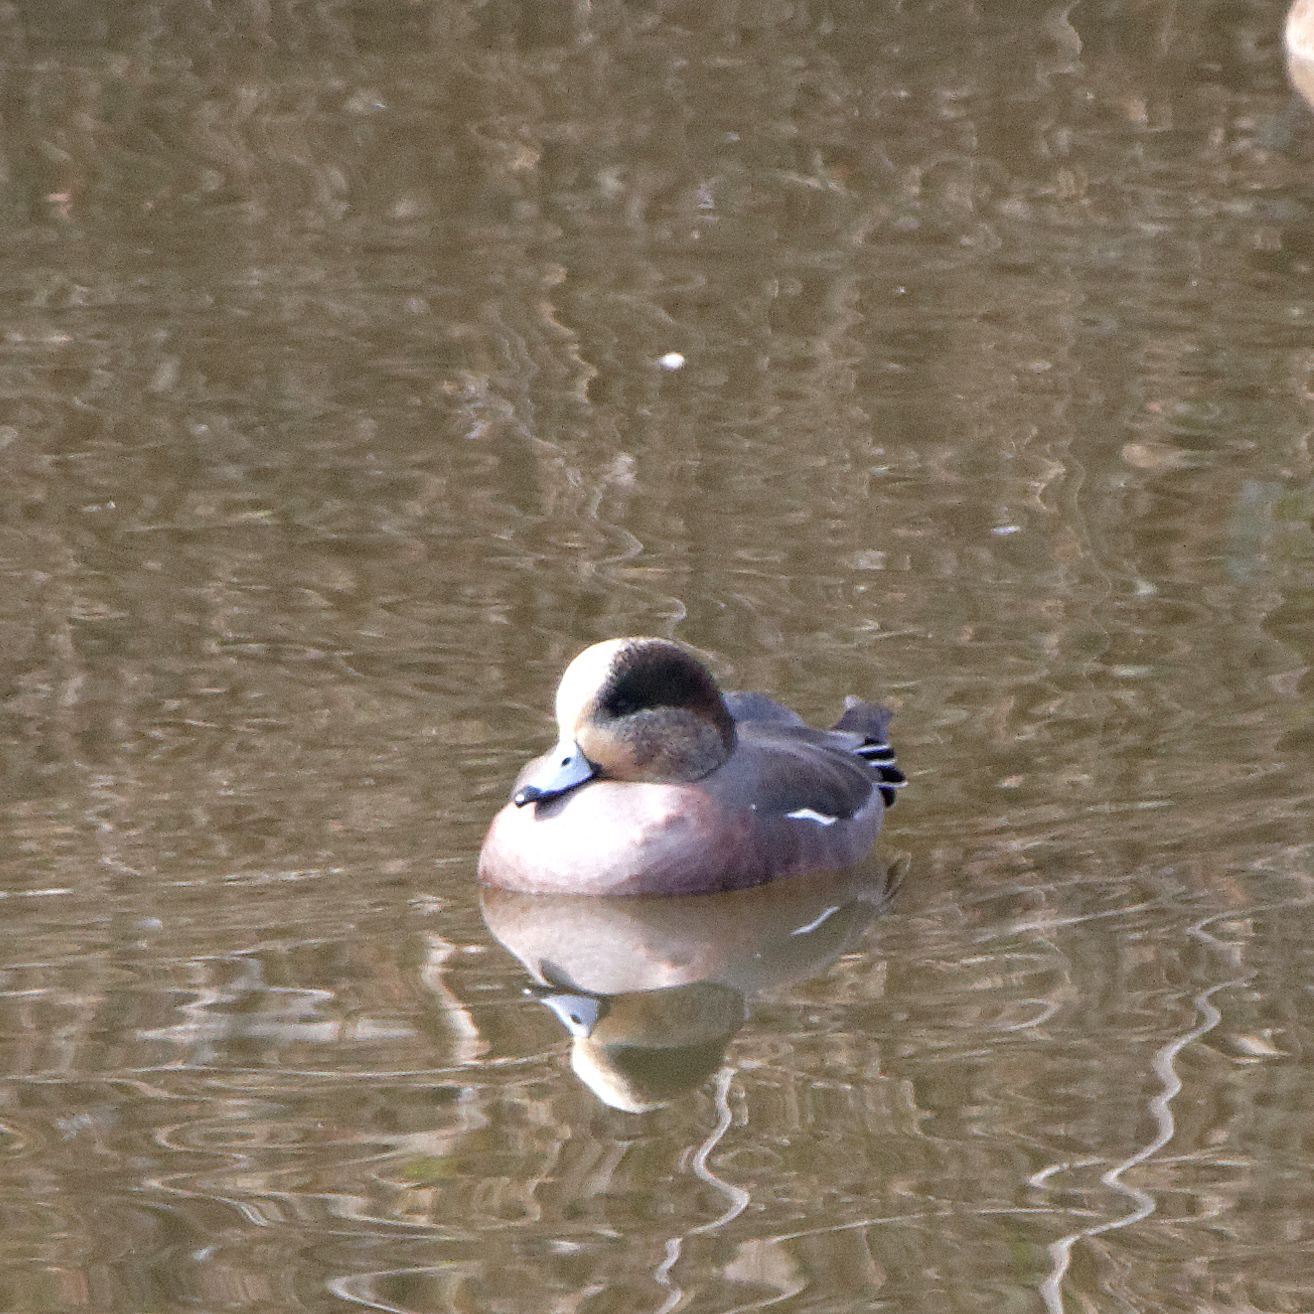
640 1051
632 709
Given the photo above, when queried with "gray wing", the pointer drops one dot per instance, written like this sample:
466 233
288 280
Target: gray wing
830 772
797 768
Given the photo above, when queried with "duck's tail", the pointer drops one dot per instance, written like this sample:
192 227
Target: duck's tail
872 722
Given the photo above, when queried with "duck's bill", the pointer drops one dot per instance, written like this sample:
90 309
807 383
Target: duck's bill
559 772
577 1012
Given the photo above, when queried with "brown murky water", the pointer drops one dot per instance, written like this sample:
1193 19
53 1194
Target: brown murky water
332 423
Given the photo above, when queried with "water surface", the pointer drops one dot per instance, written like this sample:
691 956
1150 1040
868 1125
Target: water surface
332 424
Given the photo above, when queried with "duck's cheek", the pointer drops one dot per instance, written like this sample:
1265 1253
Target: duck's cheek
612 758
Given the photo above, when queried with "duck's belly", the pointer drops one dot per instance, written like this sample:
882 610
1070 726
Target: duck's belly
616 838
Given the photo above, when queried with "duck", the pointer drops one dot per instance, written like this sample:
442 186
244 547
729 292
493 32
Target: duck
661 784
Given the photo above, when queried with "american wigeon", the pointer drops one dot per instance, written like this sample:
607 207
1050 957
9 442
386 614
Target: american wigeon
661 784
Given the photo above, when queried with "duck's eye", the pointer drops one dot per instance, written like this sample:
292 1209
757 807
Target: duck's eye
621 705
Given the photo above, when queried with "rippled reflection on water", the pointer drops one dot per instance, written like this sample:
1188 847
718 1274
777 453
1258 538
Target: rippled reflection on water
332 422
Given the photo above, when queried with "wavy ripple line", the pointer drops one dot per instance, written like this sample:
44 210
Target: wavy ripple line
1164 1066
738 1198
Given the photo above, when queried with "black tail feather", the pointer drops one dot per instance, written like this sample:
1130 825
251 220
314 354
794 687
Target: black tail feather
869 720
892 781
872 722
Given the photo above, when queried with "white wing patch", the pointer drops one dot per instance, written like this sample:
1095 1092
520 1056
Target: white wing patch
811 814
816 921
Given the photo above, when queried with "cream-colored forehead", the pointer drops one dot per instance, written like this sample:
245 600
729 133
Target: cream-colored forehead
585 676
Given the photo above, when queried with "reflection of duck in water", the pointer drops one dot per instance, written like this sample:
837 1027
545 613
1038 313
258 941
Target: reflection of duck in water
1299 39
651 991
662 785
639 1051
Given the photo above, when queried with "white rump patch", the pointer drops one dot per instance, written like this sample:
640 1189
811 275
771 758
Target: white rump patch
810 814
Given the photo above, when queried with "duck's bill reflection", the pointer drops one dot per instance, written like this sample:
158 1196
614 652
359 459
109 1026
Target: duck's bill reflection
578 1013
